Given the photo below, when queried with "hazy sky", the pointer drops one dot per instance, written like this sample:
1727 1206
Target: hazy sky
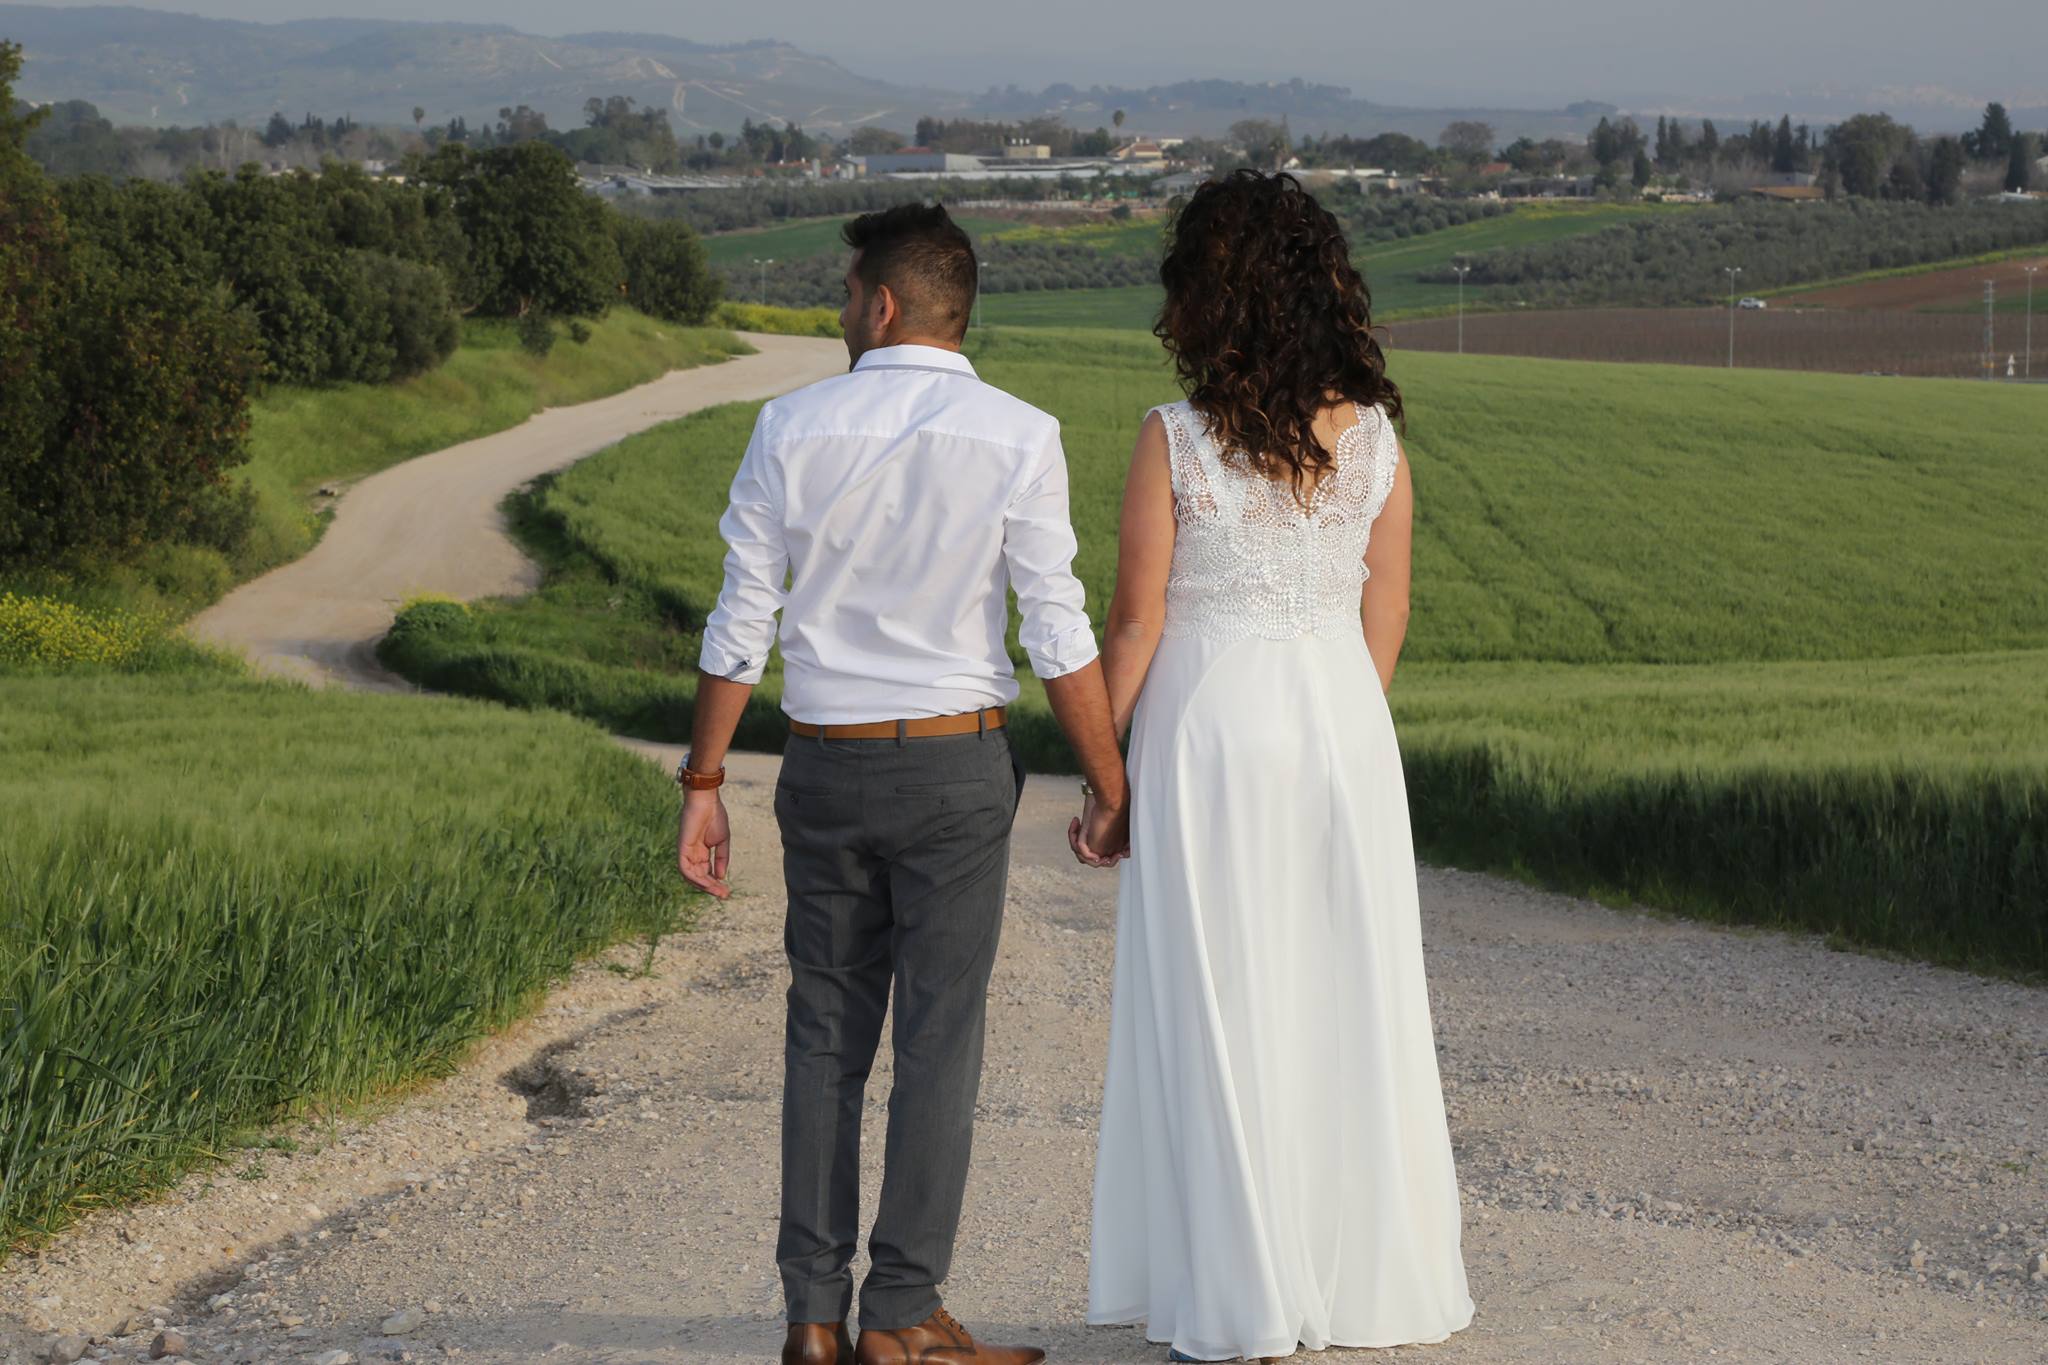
1541 52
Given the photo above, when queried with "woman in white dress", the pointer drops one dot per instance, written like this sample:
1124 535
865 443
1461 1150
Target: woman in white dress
1274 1169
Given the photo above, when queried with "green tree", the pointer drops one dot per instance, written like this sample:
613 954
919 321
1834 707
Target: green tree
155 374
537 242
1097 143
1905 181
1117 120
1524 154
1992 139
278 131
521 124
1468 140
123 394
871 141
668 273
1604 143
1643 171
32 262
1865 148
2019 169
1263 142
71 138
1784 152
1945 166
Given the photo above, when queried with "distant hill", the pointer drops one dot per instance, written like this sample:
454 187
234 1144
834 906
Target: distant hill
151 67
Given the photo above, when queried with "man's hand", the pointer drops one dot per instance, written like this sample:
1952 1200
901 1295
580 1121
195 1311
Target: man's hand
704 842
1101 836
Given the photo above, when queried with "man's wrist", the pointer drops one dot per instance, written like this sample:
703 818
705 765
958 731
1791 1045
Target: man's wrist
693 776
1110 798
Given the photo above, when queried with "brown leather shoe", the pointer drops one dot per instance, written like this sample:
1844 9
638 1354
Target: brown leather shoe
817 1343
938 1340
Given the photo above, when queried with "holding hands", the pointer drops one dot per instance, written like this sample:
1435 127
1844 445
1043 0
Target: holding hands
1101 835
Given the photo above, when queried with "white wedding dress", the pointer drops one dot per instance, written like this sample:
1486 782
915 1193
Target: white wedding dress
1274 1166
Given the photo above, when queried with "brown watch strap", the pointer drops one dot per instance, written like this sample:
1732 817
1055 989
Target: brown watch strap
691 780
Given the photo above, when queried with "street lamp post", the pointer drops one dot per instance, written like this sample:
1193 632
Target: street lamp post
1990 329
1463 270
1733 271
762 287
2032 270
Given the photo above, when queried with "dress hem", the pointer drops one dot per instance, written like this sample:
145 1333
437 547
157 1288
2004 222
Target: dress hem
1134 1318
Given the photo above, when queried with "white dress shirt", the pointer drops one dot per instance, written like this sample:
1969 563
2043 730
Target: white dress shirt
898 502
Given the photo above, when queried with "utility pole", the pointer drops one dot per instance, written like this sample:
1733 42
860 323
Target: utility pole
1463 270
2032 270
1990 329
1733 271
762 288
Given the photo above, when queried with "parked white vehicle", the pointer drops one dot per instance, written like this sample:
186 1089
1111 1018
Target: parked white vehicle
1753 302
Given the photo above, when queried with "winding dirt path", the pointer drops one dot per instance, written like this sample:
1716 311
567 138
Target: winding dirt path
433 524
1676 1143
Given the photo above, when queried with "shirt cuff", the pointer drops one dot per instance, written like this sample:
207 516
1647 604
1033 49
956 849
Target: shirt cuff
722 661
1068 652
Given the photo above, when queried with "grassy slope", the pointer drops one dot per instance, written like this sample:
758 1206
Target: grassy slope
1582 529
1391 267
224 900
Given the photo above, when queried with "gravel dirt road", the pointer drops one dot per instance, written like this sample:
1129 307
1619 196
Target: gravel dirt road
1676 1142
433 524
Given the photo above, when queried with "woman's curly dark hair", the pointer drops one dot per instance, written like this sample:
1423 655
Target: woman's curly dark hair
1267 319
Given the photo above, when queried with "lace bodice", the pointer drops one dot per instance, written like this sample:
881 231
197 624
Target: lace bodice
1248 558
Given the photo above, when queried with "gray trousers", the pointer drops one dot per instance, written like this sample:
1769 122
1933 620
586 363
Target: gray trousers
896 856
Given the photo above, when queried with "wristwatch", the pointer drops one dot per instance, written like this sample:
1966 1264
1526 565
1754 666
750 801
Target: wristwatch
691 780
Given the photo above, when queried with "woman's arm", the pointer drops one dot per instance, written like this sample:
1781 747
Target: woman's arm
1383 605
1144 555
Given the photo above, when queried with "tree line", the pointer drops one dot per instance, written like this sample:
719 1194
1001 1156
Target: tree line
137 318
1869 156
764 202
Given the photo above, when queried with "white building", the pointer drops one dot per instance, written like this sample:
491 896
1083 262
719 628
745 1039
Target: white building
919 161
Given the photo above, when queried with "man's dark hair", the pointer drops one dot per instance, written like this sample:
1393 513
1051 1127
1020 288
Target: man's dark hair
925 259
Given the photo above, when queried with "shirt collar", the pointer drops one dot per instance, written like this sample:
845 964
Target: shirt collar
916 357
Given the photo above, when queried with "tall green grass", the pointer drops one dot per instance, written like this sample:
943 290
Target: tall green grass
224 901
1765 647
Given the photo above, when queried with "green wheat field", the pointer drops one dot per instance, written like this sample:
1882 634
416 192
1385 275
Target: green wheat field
1769 648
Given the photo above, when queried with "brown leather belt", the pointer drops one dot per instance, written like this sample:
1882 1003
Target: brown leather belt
923 727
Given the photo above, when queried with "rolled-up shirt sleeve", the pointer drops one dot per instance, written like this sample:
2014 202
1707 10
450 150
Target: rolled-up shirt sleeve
1039 546
741 629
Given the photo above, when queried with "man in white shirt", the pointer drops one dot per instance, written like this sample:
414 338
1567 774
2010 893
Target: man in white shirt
886 514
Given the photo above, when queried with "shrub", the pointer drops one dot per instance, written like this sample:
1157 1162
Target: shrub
536 241
47 631
668 275
536 335
798 322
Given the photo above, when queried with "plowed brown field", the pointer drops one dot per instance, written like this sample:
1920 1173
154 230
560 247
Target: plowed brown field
1961 288
1840 340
